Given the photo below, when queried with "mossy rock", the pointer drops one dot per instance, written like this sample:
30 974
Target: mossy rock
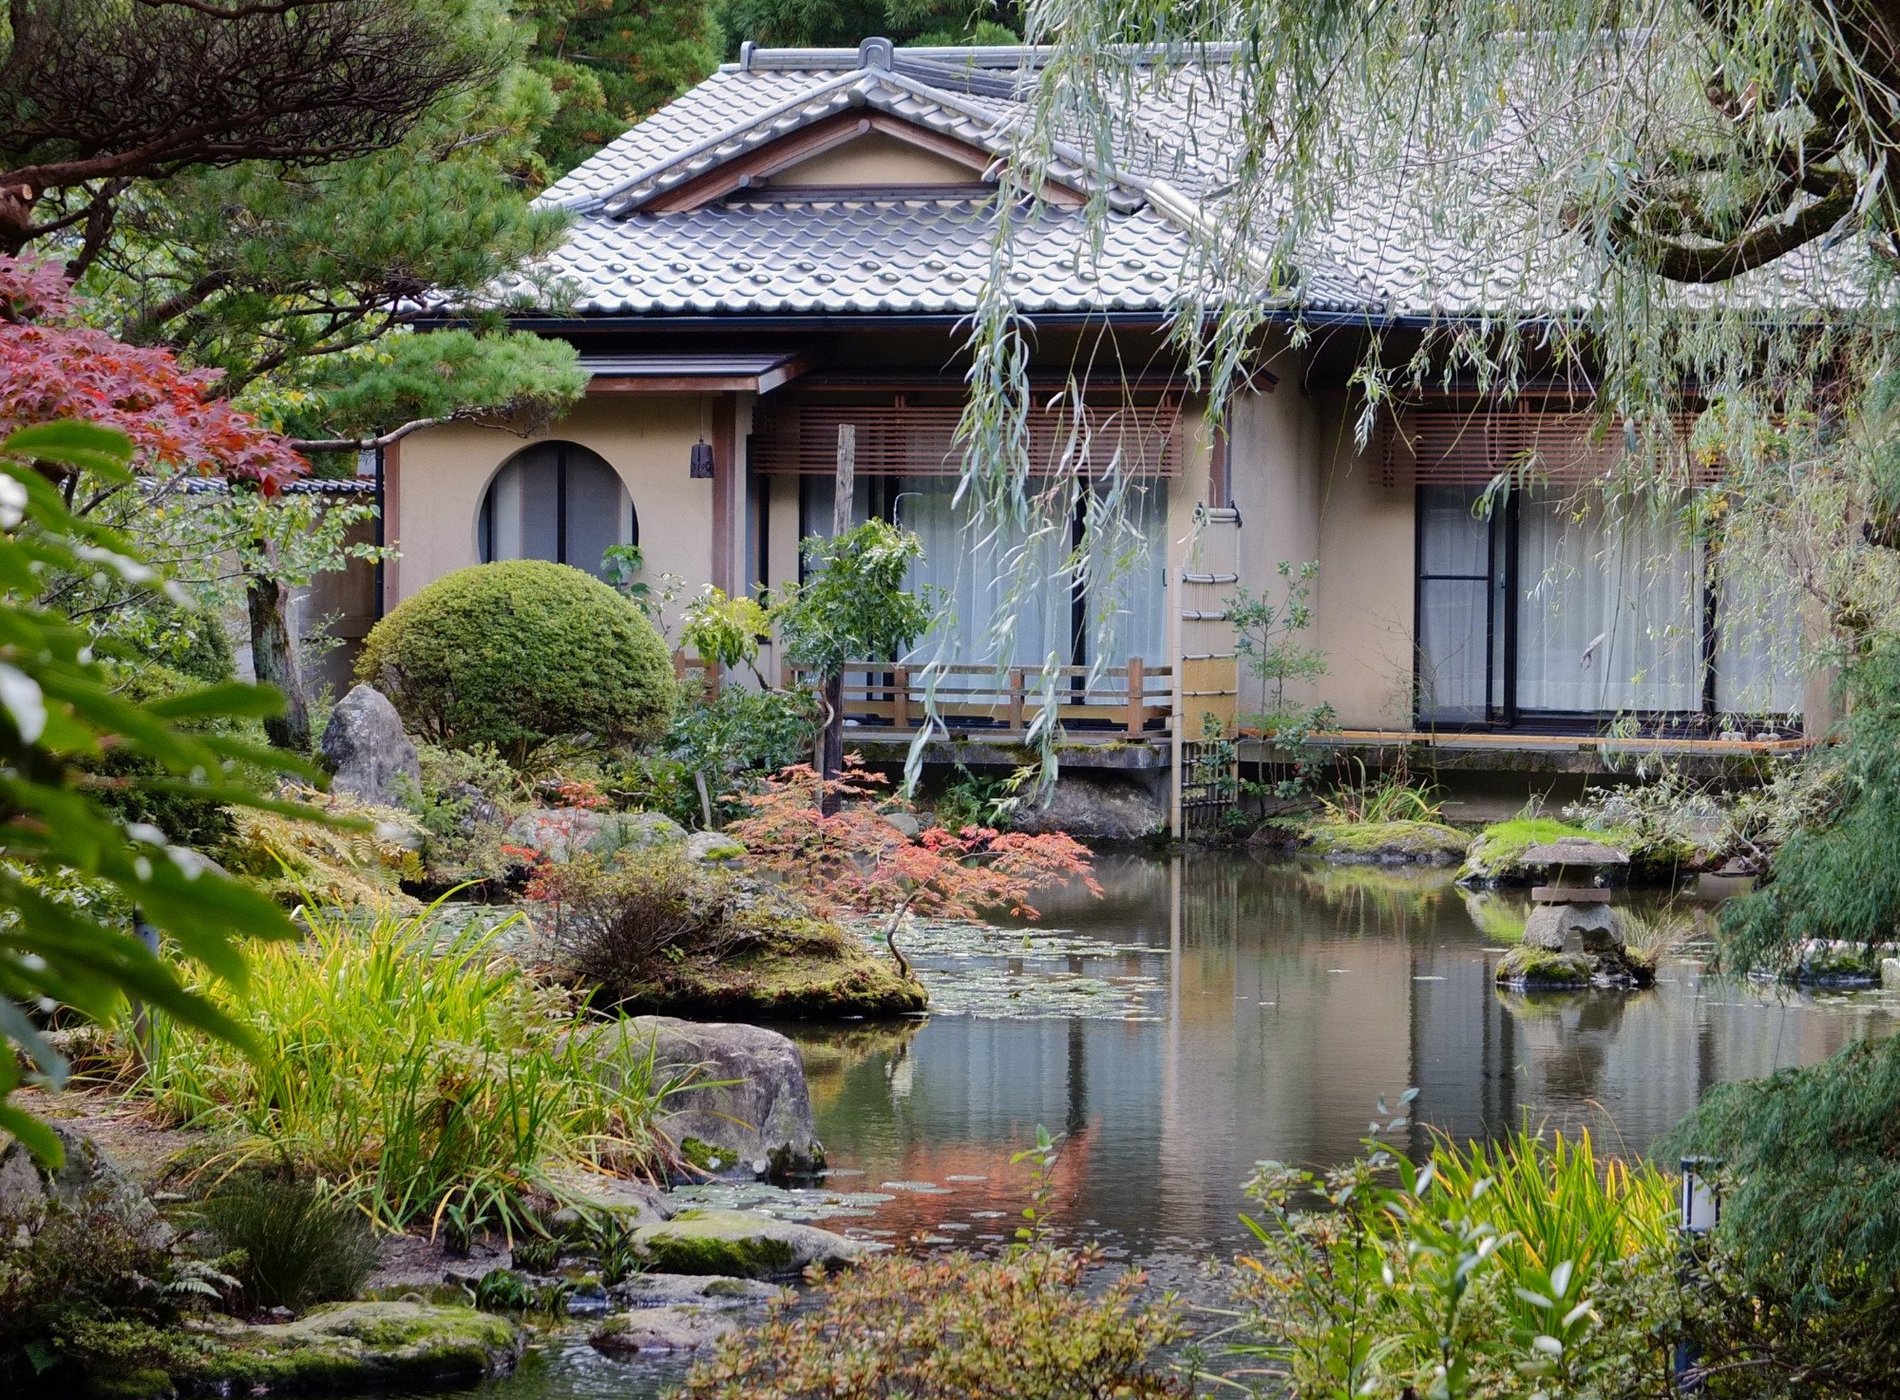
1534 968
799 969
737 1245
1497 856
356 1347
1387 843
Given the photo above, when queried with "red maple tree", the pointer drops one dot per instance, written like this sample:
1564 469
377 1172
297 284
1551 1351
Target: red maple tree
857 860
55 368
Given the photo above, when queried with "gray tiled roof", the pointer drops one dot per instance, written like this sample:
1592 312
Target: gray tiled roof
890 254
1386 252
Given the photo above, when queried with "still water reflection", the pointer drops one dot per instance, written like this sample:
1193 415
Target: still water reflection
1216 1009
1289 998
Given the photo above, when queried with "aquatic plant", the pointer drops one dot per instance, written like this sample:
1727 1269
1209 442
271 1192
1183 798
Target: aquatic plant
1374 798
419 1072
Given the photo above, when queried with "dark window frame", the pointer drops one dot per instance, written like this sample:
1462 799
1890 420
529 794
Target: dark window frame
485 520
1504 713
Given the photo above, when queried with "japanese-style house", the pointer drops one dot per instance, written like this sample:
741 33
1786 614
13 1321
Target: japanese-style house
798 243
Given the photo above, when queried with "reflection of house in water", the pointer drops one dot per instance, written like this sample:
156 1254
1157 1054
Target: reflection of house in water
1295 998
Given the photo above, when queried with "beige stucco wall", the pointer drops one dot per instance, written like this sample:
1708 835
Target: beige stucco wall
875 159
1306 494
442 474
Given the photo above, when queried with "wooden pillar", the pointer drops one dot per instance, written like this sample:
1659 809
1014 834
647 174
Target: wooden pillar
1136 718
725 488
900 713
1016 685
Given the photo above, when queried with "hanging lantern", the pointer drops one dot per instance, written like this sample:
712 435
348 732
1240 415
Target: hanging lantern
702 467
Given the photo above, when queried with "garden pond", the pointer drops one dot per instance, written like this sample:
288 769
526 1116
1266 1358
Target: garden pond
1212 1010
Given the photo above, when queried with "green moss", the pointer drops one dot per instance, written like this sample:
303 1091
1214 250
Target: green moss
672 1250
1428 843
1497 855
704 1155
363 1346
803 969
1524 966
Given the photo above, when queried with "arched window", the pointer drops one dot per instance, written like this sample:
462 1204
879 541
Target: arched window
559 501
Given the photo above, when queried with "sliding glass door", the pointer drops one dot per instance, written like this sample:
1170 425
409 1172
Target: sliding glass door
1543 612
1019 586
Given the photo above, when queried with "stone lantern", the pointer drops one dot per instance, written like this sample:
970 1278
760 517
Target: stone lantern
1572 913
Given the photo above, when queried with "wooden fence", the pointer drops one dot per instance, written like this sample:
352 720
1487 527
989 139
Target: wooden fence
1132 700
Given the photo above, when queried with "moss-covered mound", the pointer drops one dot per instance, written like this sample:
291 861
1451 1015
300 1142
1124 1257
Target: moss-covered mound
738 1245
802 969
1386 843
1497 856
1533 968
356 1347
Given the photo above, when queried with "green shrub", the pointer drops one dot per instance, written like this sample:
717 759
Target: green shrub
293 1242
91 1291
1482 1272
518 654
639 924
132 789
1038 1323
421 1071
464 803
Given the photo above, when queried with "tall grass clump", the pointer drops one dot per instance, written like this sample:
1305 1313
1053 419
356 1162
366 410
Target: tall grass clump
1517 1268
426 1076
291 1243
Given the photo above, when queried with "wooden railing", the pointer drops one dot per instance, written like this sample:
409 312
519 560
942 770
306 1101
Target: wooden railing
1134 698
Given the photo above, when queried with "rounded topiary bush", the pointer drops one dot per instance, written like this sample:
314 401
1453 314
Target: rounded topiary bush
518 653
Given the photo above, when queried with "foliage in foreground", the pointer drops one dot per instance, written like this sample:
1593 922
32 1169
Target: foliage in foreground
1511 1270
421 1072
57 711
1030 1325
1811 1213
517 654
92 1293
1838 879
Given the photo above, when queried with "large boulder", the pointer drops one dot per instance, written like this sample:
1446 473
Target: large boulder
745 1110
661 1330
86 1181
562 832
735 1244
368 754
1099 806
359 1347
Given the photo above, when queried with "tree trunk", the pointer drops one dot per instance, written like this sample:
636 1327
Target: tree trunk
274 662
831 742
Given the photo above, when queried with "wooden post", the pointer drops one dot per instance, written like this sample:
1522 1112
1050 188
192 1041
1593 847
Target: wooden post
831 751
900 715
847 479
1016 699
1136 718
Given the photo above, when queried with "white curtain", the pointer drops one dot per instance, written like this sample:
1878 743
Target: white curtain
1758 645
976 575
1128 569
523 516
1609 620
1454 593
